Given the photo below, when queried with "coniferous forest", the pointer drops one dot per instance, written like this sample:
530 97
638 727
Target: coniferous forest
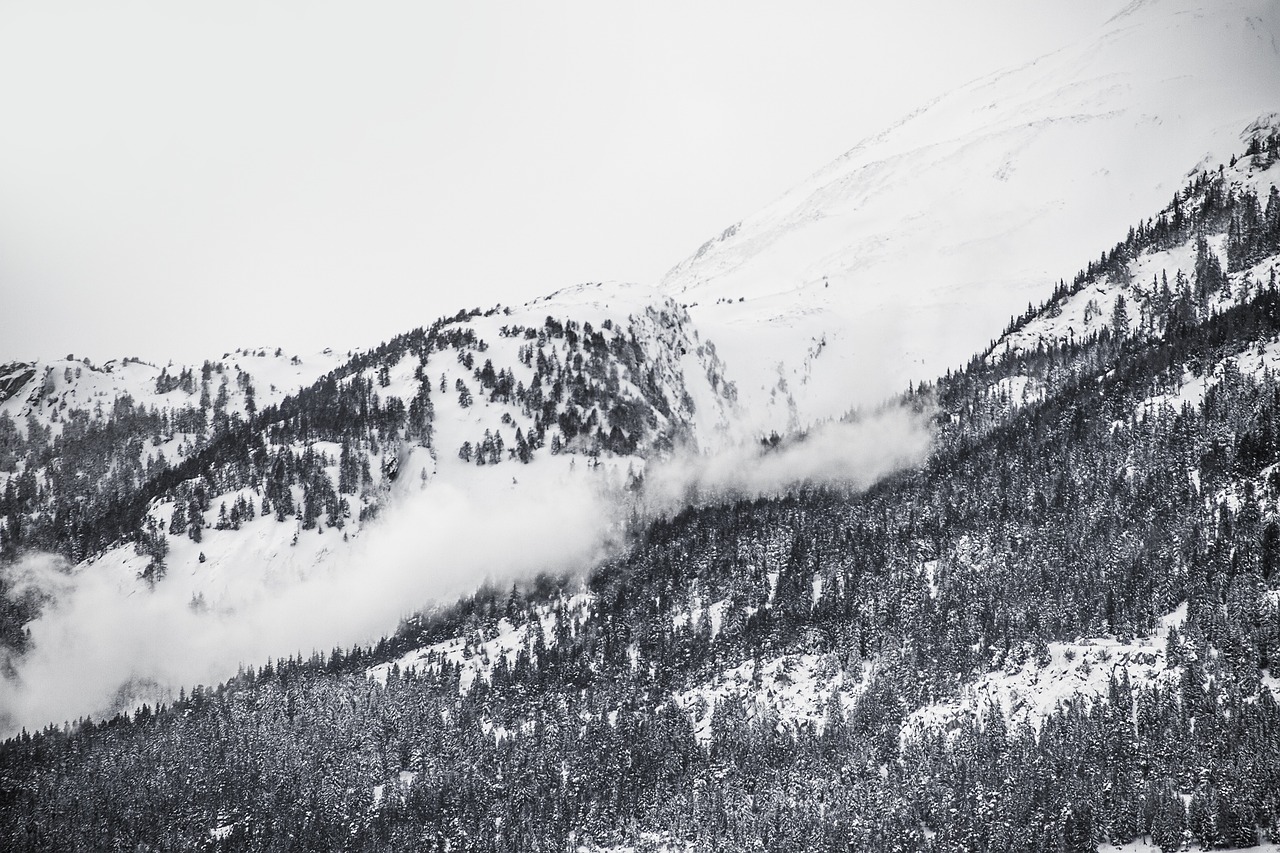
1072 492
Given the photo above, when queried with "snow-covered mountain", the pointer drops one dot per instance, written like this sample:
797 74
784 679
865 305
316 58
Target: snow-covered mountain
1060 628
1213 251
610 373
213 487
215 491
911 251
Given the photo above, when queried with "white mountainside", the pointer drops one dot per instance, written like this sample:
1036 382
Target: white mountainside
690 406
566 398
898 261
910 252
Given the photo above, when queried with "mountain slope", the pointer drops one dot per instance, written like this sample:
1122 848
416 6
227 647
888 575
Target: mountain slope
910 251
176 489
903 254
1059 633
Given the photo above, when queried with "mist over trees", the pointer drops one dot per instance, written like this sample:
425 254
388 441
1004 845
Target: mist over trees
1072 493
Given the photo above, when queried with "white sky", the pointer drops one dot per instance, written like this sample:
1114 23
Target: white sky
178 179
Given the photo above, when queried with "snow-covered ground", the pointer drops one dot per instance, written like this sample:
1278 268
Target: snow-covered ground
714 613
1258 358
795 690
647 842
1092 308
1147 846
1018 391
401 784
1034 689
58 385
476 656
911 251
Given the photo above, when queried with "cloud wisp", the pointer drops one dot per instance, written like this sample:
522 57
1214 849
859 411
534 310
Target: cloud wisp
102 644
853 454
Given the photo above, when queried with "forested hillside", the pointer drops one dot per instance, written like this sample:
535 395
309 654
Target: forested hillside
150 474
78 479
1059 631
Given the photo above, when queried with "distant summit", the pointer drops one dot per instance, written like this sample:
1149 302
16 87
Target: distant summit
912 250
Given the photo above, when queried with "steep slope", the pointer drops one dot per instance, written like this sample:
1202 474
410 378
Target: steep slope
1059 633
637 381
176 486
1091 556
909 253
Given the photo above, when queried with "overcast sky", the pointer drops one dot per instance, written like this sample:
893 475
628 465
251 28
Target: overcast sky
179 179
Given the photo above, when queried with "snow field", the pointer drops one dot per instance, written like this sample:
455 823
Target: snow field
1032 691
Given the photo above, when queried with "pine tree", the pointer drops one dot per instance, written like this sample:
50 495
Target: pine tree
1168 821
1120 317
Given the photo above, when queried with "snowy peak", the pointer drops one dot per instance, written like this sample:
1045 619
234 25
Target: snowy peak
911 250
223 467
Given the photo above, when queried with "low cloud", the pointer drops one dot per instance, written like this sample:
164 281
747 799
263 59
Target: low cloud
105 641
101 643
852 454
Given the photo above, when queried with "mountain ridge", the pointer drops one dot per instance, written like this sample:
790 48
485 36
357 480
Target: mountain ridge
974 203
1088 555
1059 632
